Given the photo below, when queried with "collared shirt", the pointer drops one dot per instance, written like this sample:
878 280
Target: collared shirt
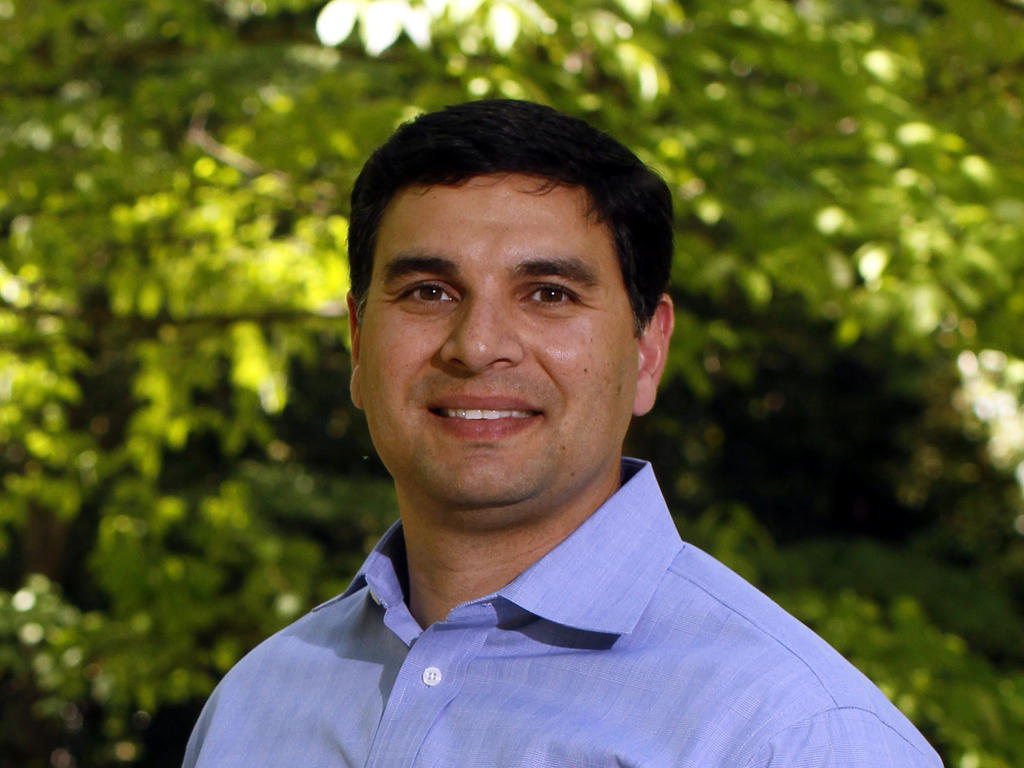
623 646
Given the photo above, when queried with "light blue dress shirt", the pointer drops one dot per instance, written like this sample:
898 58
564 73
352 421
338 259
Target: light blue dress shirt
621 647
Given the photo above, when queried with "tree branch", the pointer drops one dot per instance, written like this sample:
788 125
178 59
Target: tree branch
198 135
1011 68
330 311
1017 6
31 311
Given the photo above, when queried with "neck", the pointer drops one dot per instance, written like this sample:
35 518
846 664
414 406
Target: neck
453 558
438 581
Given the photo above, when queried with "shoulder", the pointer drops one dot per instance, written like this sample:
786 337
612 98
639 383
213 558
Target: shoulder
301 642
285 654
773 678
845 737
315 647
751 623
330 649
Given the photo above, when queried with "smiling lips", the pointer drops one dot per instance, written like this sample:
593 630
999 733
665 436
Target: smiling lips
483 421
481 413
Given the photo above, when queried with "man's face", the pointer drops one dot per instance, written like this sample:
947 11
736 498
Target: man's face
496 358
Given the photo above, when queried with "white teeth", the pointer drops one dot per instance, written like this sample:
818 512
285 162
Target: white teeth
463 413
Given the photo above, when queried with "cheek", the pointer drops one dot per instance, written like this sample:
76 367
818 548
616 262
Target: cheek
618 365
389 368
598 367
573 346
568 356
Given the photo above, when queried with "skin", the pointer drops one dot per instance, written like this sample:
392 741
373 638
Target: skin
497 297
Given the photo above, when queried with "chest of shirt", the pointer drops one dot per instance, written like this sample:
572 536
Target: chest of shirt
469 692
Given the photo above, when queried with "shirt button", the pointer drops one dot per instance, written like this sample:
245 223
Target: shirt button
431 676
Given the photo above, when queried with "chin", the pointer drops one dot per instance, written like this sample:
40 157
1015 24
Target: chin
485 498
494 517
491 499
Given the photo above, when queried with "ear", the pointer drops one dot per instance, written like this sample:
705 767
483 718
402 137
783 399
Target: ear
653 347
353 327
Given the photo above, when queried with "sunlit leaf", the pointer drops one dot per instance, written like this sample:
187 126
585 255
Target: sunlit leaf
503 26
382 23
336 20
638 10
461 11
871 262
417 26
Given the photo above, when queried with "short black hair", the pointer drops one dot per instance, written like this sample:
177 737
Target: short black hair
491 136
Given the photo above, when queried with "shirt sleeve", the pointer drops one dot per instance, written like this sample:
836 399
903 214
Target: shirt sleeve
198 736
845 738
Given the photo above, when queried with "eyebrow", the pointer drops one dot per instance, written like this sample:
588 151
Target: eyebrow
412 263
568 267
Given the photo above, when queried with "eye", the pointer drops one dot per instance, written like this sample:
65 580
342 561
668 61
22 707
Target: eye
429 292
552 294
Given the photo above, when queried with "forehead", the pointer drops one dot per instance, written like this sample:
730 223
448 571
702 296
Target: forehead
499 215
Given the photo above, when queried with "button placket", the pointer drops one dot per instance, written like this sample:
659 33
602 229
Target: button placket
432 675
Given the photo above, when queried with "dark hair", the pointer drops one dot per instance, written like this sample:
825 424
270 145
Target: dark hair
459 142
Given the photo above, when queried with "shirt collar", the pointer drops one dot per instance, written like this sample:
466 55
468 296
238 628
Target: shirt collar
603 575
381 569
600 578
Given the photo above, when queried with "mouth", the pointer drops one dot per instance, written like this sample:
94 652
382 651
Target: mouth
482 414
473 424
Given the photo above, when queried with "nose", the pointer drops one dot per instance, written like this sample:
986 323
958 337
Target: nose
483 335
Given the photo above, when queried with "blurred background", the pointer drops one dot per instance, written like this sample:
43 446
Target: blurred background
182 470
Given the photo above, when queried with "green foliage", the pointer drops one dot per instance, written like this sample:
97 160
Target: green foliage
181 472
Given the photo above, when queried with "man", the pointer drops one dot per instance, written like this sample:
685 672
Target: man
535 605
